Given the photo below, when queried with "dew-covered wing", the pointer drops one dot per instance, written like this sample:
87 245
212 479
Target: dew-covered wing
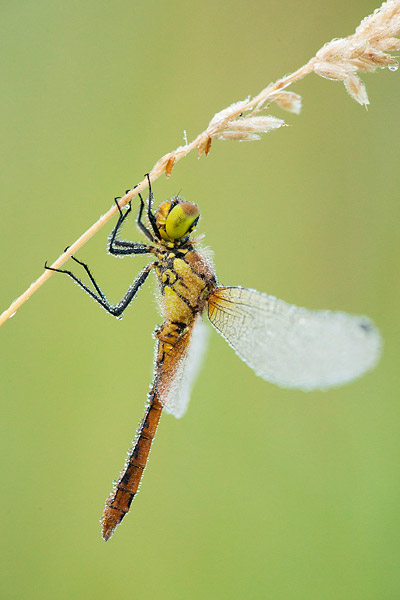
178 372
291 346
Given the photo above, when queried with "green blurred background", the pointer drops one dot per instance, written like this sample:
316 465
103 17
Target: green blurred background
258 492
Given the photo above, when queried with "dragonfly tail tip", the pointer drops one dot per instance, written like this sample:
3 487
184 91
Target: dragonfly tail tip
108 528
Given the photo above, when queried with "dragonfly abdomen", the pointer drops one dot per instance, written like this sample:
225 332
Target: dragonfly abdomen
170 335
120 500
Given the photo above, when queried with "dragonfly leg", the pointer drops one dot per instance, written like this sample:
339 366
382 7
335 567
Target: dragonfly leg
141 225
115 309
150 214
124 248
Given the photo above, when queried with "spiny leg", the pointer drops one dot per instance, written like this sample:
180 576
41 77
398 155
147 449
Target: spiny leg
114 309
124 248
141 225
150 214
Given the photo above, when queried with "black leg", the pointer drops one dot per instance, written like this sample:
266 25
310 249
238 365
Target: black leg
123 248
141 225
150 215
114 309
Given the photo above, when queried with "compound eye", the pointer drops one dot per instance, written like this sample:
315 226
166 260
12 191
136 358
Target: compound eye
181 219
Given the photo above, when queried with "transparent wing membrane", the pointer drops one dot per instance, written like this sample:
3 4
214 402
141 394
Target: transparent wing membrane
291 346
179 370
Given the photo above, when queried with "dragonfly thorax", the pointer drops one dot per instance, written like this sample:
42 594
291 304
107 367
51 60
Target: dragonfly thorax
176 218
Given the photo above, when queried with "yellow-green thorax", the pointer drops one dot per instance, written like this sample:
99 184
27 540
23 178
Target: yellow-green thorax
186 279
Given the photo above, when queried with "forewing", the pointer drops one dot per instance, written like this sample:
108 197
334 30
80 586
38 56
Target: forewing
178 372
291 346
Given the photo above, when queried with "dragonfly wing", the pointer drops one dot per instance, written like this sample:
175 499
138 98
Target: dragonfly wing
291 346
177 373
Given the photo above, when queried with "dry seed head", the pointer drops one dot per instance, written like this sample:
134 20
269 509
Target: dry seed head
288 101
204 145
250 128
331 71
221 118
356 89
388 45
256 124
169 165
388 15
364 51
239 136
162 163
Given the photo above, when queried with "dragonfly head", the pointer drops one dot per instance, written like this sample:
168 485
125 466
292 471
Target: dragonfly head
176 219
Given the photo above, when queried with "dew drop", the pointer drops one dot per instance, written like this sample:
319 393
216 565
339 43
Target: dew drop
393 67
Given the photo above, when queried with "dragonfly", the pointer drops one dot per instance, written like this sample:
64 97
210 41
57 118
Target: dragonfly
290 346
